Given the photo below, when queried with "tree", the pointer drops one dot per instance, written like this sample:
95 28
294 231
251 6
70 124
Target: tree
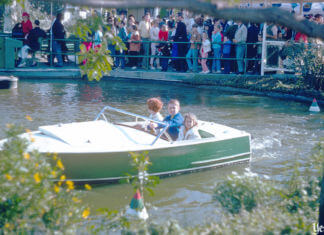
37 9
271 15
306 60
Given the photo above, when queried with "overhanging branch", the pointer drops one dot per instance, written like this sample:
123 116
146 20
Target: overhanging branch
270 15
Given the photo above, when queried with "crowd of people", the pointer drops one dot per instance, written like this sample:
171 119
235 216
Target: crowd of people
181 42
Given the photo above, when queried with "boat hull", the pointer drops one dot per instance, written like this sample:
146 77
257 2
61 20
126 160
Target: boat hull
7 82
174 159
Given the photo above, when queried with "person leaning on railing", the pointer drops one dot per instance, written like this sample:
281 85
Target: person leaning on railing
164 47
272 51
227 54
240 40
174 46
195 40
122 33
204 50
113 32
154 36
216 45
134 47
252 39
144 30
58 33
181 37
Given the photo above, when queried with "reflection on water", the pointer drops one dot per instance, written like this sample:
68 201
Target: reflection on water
282 133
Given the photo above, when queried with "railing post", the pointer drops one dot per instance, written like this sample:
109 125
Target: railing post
245 57
195 58
263 54
51 38
76 51
147 52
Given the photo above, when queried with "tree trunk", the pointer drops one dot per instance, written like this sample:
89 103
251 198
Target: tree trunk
321 208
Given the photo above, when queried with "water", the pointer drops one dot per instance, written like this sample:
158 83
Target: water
283 132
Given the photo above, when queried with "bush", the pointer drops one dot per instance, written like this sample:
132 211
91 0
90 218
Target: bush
37 198
257 205
307 60
237 193
30 200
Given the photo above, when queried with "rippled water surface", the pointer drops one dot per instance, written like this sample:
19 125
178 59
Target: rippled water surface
283 132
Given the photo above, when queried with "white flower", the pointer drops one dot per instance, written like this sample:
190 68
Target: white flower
266 177
249 173
143 175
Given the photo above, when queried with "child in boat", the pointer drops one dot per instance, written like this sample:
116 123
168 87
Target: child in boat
189 129
154 106
174 119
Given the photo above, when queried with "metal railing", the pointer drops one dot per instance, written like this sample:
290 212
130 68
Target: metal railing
197 44
72 47
165 125
260 59
261 56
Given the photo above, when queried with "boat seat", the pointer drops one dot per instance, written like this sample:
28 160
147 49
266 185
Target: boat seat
205 134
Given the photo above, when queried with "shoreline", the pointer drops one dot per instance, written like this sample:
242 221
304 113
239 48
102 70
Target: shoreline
280 86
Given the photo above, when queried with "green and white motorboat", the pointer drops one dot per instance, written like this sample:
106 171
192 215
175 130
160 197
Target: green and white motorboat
99 150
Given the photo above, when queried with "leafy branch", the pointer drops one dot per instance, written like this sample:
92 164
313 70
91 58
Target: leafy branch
143 181
96 61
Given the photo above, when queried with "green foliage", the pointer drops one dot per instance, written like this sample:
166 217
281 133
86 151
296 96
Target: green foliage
85 27
288 208
143 182
8 2
236 193
45 6
168 228
108 220
5 2
9 209
163 13
307 59
30 199
96 62
37 198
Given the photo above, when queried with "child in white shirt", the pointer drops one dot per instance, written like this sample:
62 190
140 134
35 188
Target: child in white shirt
189 129
205 48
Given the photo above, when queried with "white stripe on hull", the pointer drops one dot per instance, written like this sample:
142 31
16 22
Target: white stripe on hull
166 173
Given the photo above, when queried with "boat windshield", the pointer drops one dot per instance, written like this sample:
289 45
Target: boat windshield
165 126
